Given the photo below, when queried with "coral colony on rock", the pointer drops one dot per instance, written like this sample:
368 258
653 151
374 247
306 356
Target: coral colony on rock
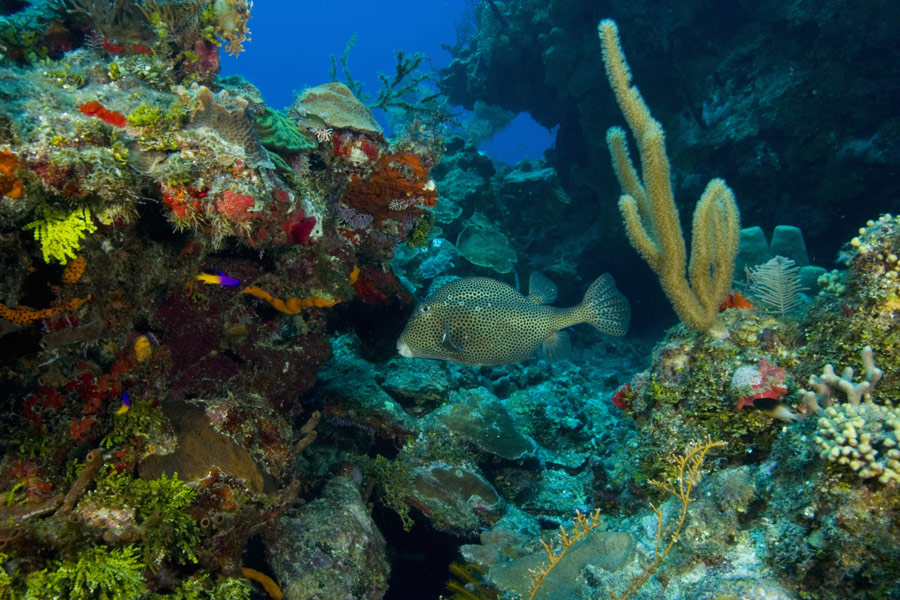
202 299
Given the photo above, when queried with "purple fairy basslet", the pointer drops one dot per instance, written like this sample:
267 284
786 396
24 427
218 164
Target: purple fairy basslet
126 404
220 279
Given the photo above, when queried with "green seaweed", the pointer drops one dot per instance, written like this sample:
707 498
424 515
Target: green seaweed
160 510
395 481
199 587
61 74
97 573
157 127
141 421
7 592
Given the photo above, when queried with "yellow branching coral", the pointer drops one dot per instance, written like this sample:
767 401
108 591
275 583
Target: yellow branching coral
60 233
556 549
686 472
648 207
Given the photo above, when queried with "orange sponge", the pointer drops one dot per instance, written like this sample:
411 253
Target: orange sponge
74 269
291 306
10 186
267 582
24 315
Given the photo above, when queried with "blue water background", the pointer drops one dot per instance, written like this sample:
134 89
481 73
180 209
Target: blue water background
292 43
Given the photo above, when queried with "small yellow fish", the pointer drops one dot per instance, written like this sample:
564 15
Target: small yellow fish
481 321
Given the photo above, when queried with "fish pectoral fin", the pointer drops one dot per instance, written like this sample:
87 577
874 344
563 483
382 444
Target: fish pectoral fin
556 345
447 341
540 289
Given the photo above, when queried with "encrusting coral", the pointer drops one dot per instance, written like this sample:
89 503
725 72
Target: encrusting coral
74 269
291 306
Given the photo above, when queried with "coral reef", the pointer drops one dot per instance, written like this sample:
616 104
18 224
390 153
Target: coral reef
127 169
201 298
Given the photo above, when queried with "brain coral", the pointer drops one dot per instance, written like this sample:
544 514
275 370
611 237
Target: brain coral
229 116
336 105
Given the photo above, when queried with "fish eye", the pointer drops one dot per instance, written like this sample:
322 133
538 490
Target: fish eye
425 308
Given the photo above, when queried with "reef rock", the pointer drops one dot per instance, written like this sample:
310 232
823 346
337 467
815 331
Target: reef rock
332 550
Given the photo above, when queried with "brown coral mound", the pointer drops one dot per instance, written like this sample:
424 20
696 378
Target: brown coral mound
200 447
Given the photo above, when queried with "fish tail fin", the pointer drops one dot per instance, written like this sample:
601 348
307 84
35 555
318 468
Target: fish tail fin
605 307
